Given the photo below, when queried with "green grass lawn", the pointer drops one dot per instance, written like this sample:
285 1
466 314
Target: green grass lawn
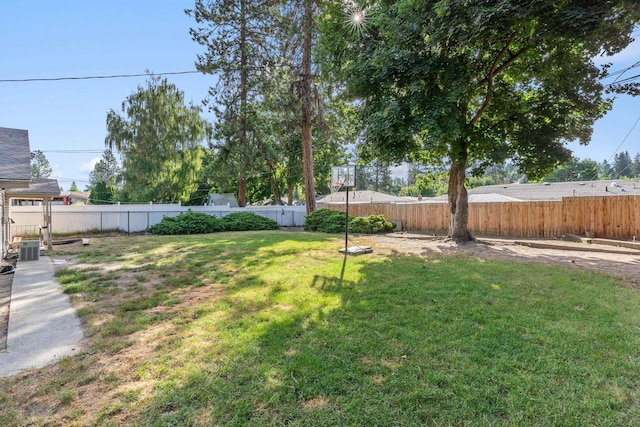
258 328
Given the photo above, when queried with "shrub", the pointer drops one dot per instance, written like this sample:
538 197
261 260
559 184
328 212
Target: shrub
242 221
370 225
330 221
325 220
187 223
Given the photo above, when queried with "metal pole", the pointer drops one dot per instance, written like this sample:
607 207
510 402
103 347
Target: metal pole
49 230
346 224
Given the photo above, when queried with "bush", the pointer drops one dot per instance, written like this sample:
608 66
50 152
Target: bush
187 223
370 225
325 220
242 221
330 221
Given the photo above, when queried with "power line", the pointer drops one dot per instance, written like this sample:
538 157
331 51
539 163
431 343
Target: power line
72 151
149 74
625 138
627 80
112 76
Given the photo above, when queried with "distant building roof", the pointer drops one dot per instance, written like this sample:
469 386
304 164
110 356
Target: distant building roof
223 199
552 190
366 196
38 189
80 195
493 197
15 158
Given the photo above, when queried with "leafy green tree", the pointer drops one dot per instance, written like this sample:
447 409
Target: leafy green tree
475 82
432 183
375 176
502 173
40 167
636 166
159 139
605 171
102 194
74 186
415 169
106 170
622 165
574 170
479 181
205 184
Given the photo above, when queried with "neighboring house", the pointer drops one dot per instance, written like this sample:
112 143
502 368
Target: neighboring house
365 196
15 172
72 198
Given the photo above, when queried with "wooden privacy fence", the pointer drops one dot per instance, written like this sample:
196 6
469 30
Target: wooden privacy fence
616 217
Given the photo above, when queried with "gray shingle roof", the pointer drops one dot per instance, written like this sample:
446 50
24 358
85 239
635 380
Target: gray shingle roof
557 190
38 188
366 196
15 156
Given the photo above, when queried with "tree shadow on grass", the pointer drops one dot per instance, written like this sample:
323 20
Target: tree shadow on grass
378 341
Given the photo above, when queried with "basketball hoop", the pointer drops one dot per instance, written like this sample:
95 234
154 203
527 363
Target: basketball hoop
336 186
343 176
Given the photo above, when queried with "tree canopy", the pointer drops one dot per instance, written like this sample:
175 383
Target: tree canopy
159 139
239 50
106 170
475 82
40 167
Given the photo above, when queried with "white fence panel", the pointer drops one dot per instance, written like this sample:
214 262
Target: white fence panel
133 218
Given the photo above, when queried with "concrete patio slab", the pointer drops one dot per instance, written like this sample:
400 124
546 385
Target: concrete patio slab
43 326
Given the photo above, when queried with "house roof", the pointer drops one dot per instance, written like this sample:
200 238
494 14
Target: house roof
553 190
15 158
366 196
38 189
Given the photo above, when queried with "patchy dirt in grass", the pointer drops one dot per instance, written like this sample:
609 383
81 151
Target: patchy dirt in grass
617 261
102 380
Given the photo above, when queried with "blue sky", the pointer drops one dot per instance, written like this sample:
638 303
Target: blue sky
65 38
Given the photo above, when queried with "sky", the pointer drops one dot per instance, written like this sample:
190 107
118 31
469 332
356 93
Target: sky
66 119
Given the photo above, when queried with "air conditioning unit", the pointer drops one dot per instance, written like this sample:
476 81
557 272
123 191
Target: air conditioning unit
29 250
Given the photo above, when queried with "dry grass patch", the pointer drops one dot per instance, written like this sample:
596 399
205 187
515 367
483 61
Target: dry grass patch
268 334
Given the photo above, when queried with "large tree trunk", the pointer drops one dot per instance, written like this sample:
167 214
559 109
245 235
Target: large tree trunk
290 188
458 198
242 182
306 100
242 191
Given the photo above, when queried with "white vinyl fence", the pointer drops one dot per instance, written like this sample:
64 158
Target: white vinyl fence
132 218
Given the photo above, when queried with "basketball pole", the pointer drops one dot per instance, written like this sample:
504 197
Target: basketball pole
346 236
346 224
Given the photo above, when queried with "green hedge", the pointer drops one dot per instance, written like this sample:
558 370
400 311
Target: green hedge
325 220
200 223
330 221
370 225
242 221
187 223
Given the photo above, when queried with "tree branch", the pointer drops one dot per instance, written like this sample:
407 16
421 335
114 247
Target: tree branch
494 70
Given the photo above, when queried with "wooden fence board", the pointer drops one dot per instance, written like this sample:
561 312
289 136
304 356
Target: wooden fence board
605 216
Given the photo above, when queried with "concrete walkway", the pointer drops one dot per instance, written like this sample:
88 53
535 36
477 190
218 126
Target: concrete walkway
43 326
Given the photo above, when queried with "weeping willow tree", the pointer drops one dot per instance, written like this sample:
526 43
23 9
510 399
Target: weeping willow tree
159 139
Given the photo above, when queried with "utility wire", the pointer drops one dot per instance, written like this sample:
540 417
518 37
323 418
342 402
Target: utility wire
148 74
625 138
72 151
113 76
